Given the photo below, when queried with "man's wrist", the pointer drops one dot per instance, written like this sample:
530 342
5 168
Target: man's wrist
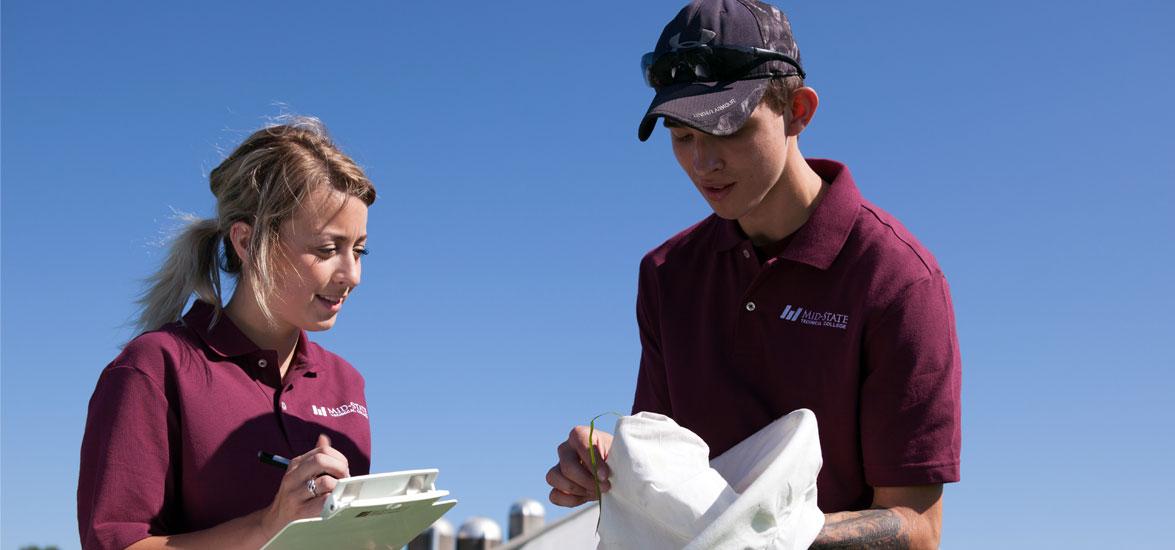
879 529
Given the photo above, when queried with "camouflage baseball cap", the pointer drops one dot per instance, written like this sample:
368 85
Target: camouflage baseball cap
721 107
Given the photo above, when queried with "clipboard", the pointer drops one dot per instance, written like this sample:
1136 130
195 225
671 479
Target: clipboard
372 511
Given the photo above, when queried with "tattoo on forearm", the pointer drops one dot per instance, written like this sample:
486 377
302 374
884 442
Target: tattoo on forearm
867 529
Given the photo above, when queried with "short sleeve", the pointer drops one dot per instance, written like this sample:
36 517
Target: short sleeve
910 410
124 476
652 389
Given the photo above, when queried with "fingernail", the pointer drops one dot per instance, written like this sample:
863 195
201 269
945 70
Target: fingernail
602 473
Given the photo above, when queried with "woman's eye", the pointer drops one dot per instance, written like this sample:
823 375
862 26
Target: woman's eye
328 252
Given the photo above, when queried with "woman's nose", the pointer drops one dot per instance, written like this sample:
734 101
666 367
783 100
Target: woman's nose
350 272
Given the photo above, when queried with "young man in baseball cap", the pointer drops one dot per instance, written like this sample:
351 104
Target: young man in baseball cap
795 293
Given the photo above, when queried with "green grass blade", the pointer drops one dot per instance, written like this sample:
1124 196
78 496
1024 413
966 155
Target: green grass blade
595 472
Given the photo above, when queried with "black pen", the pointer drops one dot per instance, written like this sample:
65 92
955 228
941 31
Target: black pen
273 460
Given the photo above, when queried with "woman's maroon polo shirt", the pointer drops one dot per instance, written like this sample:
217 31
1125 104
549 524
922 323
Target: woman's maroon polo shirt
177 419
853 320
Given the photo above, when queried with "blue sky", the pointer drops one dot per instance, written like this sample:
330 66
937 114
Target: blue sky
1028 145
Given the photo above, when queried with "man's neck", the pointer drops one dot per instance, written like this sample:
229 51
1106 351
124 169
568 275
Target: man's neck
788 205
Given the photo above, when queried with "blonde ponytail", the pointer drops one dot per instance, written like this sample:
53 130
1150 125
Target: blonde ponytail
192 265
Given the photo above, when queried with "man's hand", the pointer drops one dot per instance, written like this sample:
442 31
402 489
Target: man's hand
901 518
571 479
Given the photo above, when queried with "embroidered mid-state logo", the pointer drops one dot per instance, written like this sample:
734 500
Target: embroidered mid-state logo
341 410
815 318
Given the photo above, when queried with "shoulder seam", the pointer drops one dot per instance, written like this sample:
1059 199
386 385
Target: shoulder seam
894 232
182 336
150 379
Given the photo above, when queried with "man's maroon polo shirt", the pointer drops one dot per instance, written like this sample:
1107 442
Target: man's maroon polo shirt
177 419
853 320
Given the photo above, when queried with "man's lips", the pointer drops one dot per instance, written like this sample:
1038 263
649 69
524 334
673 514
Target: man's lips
717 191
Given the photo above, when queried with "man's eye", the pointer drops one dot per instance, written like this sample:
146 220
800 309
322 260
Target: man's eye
681 138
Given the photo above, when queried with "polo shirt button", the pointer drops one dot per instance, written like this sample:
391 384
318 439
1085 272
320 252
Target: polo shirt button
283 405
750 306
746 253
262 363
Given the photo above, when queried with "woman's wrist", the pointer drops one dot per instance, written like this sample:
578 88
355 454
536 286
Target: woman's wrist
266 523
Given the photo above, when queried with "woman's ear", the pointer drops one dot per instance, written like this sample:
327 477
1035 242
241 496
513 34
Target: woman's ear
803 106
240 235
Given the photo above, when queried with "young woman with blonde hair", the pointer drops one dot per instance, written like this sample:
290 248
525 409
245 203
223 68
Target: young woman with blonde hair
176 422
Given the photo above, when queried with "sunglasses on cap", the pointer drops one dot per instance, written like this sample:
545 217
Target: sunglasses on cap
710 64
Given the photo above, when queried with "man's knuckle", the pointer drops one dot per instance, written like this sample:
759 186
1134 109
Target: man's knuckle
569 471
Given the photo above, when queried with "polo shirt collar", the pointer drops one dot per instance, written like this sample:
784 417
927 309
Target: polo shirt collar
819 241
224 337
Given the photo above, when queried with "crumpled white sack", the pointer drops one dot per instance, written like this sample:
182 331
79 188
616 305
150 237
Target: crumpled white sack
760 493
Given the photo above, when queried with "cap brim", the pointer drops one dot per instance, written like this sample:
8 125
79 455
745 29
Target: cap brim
718 108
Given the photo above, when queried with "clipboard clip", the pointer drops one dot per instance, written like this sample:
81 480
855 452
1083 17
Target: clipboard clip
392 490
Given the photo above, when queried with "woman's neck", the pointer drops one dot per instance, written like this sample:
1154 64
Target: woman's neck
244 311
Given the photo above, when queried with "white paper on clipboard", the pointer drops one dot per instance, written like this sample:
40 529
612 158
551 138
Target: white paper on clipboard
372 511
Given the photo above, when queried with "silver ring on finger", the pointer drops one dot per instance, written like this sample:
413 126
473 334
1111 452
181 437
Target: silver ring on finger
312 487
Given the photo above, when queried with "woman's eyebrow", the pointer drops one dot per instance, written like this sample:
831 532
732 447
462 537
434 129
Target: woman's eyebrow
341 237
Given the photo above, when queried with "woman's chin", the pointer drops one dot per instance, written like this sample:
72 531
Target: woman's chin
321 324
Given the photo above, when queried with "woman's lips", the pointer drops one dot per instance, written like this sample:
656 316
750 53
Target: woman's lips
333 304
717 192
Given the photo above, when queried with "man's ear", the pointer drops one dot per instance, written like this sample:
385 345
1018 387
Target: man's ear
240 235
803 106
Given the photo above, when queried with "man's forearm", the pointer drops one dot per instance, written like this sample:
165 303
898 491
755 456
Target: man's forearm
878 529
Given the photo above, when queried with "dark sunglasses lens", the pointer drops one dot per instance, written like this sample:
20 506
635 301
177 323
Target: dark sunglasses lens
695 65
680 67
646 65
662 70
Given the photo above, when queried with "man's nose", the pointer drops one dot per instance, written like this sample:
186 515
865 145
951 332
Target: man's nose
706 157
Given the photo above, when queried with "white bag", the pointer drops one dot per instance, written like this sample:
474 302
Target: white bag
665 495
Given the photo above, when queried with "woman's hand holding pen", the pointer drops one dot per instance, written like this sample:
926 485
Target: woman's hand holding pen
308 480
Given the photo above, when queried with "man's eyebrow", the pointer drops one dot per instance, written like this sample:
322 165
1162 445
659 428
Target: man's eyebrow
670 123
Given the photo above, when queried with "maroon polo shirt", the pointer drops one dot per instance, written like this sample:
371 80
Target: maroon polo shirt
851 319
177 419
